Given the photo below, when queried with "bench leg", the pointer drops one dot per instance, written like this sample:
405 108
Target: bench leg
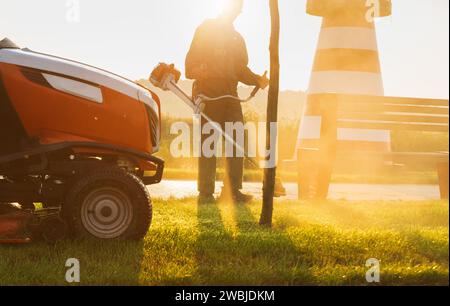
314 175
443 170
306 182
323 181
306 173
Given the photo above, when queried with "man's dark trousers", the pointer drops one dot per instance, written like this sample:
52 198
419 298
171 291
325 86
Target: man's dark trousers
227 110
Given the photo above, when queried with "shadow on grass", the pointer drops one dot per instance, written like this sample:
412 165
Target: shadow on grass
212 243
251 256
432 247
275 259
112 263
101 263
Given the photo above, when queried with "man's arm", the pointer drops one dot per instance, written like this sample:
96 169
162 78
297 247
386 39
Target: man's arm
247 77
244 73
195 65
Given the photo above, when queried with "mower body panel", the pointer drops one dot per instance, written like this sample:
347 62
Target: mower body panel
53 100
69 131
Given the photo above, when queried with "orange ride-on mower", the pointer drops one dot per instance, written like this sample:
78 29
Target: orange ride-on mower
79 140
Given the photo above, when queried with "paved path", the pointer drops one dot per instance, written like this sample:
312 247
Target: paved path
351 192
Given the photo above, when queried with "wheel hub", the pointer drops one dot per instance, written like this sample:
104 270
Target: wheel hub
106 212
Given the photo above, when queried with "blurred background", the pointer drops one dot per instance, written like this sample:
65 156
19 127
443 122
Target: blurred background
131 37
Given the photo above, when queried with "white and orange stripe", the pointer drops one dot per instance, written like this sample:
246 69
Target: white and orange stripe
346 62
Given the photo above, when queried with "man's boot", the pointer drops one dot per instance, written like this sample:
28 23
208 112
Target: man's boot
204 199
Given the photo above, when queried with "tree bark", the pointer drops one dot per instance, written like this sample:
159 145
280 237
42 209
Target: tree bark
272 114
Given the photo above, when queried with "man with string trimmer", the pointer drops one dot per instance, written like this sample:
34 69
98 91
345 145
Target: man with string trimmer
218 61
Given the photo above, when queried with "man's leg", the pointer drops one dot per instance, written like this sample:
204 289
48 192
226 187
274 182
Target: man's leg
234 166
234 173
206 173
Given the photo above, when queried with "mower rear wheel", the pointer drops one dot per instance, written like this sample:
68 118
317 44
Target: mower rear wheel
108 204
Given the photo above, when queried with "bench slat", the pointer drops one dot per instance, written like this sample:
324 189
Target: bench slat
393 126
382 108
392 100
415 157
399 157
393 117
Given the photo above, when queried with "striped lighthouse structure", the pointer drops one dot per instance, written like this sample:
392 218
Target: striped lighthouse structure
346 62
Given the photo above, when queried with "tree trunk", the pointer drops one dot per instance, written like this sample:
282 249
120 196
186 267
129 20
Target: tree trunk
272 114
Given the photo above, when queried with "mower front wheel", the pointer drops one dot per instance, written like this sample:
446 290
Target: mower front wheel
108 204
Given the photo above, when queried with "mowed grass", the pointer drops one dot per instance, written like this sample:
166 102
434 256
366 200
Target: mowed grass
311 243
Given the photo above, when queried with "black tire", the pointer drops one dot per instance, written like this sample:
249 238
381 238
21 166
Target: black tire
108 204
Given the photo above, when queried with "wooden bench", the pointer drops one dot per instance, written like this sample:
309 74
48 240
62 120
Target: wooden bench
316 163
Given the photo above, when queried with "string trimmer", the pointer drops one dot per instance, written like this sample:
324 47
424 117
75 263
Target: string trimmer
166 77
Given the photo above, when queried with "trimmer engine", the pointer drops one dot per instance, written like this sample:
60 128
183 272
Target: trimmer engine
162 73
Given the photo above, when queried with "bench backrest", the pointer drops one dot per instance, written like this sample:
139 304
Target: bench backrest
380 113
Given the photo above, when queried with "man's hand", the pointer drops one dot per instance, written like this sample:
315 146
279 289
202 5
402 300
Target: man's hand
263 81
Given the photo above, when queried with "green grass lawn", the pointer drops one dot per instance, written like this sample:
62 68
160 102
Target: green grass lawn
324 243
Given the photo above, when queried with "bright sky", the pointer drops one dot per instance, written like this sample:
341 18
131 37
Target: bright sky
130 37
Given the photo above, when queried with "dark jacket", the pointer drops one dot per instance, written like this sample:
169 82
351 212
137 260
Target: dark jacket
220 52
